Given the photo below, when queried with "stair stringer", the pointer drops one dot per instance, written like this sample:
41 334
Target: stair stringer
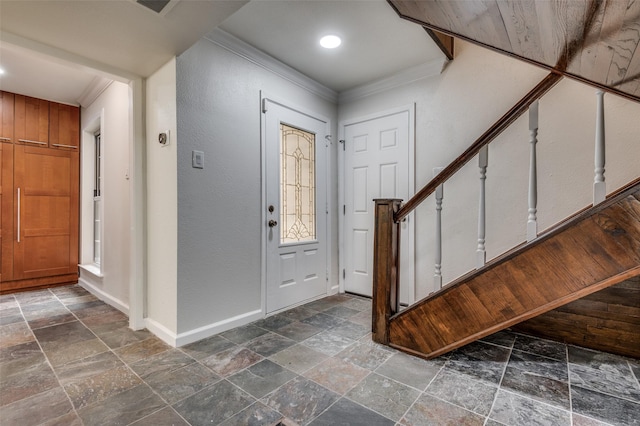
591 251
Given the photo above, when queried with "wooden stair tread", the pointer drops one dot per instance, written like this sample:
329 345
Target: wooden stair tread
594 250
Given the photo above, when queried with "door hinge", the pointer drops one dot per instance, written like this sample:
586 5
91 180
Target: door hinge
344 274
344 209
344 144
264 104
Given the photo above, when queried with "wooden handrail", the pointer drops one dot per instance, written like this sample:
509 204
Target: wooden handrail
494 131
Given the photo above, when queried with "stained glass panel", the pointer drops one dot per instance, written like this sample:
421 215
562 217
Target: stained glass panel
297 185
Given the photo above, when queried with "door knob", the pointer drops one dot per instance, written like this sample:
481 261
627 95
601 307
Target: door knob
272 223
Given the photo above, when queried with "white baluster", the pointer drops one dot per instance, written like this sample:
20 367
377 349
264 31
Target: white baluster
599 185
532 220
483 162
437 278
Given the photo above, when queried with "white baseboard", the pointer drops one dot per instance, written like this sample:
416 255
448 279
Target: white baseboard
217 327
105 297
160 331
177 340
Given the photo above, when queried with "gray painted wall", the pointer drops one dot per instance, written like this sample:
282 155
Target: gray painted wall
219 207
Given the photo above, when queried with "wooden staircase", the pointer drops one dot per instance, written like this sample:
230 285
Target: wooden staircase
588 252
596 249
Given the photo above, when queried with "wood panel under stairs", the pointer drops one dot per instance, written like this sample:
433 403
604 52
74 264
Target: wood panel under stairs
608 320
596 249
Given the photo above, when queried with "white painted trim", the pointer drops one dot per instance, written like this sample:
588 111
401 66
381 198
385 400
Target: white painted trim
257 57
409 75
411 110
93 90
331 289
92 269
138 205
263 198
297 108
341 261
107 298
97 123
160 331
218 327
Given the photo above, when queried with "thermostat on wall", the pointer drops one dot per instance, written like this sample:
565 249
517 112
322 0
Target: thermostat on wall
163 138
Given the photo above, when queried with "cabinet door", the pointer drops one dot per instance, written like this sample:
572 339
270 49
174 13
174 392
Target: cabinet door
31 121
6 211
64 126
46 210
6 117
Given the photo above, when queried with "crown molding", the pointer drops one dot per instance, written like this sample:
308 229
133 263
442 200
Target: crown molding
93 90
258 57
409 75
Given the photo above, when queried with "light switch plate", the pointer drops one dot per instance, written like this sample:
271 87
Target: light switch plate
197 159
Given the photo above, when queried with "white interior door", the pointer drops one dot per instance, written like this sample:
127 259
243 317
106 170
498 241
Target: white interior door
377 164
295 209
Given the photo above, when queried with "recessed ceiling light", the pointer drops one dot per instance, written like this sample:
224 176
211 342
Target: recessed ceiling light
330 41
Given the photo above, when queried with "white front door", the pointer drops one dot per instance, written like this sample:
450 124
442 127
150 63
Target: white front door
295 208
377 164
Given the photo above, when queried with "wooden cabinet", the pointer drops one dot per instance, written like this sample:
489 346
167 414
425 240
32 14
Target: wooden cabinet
64 126
31 121
6 211
39 195
47 233
6 117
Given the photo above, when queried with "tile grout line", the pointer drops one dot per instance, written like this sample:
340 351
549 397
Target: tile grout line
423 392
609 394
487 419
566 348
44 354
301 375
112 350
637 379
504 370
88 356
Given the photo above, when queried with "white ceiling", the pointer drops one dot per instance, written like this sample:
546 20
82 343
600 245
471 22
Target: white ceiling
127 39
376 43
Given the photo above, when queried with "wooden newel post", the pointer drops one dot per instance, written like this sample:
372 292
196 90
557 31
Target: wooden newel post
386 259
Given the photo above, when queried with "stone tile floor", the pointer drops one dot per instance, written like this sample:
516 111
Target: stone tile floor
67 358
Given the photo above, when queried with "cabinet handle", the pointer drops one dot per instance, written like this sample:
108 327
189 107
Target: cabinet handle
34 142
18 214
5 139
64 146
